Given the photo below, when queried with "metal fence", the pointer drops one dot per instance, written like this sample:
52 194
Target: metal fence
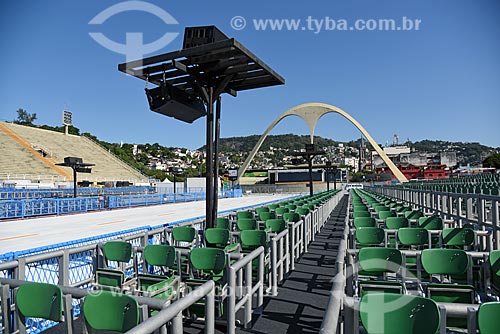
12 209
75 267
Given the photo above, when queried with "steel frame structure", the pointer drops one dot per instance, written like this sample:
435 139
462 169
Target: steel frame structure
207 71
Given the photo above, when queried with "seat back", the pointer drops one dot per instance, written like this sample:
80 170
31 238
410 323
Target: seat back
253 238
391 313
244 214
208 259
262 209
458 237
494 264
396 222
223 222
370 235
488 319
184 233
263 216
160 255
445 261
302 211
291 217
246 224
359 214
379 260
281 211
275 225
110 311
415 214
413 236
431 223
386 214
40 300
364 222
217 237
119 251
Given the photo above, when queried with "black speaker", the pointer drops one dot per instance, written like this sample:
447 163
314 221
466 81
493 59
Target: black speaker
174 102
73 161
196 36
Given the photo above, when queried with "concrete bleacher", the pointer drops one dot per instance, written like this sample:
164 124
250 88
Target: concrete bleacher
16 160
57 146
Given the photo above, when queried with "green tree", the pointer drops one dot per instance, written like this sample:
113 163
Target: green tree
492 161
24 118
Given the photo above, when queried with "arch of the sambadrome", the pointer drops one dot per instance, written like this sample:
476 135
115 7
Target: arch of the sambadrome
311 113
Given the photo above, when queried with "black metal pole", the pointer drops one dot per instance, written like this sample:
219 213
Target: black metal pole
74 181
209 159
216 158
335 180
174 184
327 179
309 160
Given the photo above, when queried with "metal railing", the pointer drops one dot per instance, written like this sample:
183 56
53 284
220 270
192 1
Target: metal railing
482 210
75 267
342 312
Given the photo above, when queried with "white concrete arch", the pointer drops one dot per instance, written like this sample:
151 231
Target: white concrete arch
311 113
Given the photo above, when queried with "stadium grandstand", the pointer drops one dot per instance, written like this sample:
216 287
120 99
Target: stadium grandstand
32 153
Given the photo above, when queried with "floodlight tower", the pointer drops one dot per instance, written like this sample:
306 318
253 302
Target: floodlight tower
191 80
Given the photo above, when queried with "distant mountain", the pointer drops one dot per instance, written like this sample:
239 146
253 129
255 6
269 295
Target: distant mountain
289 142
467 153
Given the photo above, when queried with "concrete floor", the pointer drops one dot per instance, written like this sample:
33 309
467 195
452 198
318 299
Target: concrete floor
17 235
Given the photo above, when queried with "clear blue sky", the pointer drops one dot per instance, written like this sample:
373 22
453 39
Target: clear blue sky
441 82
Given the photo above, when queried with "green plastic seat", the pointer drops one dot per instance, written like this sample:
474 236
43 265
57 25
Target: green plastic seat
251 239
121 253
41 300
281 211
184 233
459 237
302 211
223 222
216 237
162 284
262 209
364 222
263 216
494 269
370 236
275 225
414 214
207 264
413 236
488 319
395 223
386 214
273 207
447 262
244 214
111 312
361 214
431 223
246 224
160 255
291 207
291 217
209 260
378 261
390 313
